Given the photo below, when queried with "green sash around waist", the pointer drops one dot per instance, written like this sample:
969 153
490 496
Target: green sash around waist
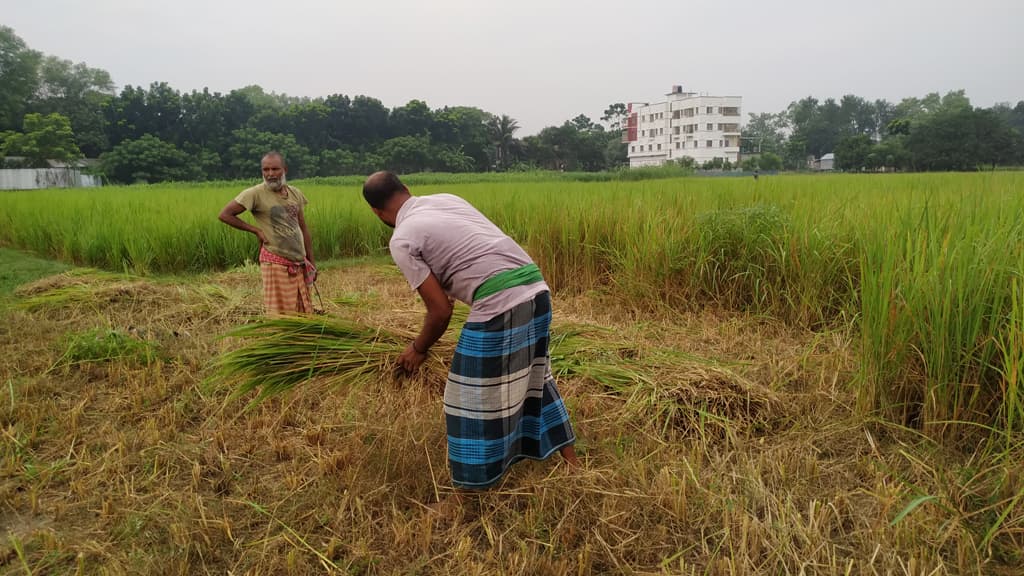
529 274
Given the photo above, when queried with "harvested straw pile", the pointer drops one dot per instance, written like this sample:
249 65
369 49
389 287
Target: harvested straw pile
661 386
282 353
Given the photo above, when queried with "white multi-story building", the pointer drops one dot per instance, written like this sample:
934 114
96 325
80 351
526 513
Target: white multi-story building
685 124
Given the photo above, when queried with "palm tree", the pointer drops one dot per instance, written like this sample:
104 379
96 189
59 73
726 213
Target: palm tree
502 131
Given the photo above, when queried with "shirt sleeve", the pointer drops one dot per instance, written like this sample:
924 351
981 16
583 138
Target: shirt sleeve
302 197
409 260
247 198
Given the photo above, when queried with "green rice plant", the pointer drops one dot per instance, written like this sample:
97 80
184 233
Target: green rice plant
1010 344
279 354
105 345
936 297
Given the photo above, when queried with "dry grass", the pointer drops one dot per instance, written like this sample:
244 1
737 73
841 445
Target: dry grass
712 444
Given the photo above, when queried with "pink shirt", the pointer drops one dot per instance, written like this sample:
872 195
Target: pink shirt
446 235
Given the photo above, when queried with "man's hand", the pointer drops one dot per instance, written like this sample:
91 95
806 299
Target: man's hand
263 237
410 360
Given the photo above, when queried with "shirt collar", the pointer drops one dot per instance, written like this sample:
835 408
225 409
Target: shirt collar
404 210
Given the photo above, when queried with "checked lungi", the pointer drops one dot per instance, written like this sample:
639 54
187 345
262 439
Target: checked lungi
284 286
501 403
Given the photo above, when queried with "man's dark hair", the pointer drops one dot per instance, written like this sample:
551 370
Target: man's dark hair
381 187
275 154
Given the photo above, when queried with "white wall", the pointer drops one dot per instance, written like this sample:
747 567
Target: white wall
36 178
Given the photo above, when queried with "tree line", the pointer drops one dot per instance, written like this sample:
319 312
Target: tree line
916 134
53 109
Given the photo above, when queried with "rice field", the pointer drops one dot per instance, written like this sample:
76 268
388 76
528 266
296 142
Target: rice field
816 375
924 268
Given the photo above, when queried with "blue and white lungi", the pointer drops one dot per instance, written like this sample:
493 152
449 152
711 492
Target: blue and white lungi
501 403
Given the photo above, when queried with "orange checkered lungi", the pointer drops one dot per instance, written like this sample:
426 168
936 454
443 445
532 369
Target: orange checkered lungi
284 292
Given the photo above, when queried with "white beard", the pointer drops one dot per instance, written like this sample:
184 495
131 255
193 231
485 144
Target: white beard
278 185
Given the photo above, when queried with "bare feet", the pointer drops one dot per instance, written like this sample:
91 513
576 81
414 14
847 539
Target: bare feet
448 506
569 453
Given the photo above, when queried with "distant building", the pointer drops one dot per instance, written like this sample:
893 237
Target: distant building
686 124
58 175
826 162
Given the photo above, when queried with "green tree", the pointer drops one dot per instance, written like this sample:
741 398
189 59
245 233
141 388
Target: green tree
794 153
448 159
204 121
342 162
338 162
413 119
80 93
19 77
852 152
764 132
891 153
126 115
406 154
615 115
157 111
997 142
885 112
502 131
945 140
615 152
44 138
859 116
583 123
368 122
769 162
249 145
466 128
148 159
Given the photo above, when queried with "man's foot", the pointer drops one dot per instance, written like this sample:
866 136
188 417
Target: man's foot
569 454
448 506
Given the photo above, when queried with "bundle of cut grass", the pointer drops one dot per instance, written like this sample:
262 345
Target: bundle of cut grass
282 353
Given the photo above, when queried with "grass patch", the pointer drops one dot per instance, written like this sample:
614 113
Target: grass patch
17 268
106 345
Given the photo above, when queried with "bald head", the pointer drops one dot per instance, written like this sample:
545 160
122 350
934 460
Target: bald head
381 187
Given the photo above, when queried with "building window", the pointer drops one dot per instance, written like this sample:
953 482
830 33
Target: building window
661 131
711 127
632 148
675 115
711 143
659 146
677 145
721 143
711 109
695 143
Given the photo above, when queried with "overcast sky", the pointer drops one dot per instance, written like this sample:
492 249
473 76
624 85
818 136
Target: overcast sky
543 61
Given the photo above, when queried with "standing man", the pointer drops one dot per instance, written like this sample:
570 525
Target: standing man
286 250
501 403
